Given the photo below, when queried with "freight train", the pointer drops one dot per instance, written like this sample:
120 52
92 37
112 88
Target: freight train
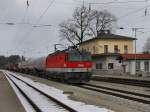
71 66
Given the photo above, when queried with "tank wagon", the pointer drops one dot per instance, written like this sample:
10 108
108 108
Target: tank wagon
68 66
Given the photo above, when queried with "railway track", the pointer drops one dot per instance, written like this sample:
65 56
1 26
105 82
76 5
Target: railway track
60 106
138 97
133 82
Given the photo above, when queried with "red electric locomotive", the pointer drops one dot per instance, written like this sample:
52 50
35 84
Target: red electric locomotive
71 66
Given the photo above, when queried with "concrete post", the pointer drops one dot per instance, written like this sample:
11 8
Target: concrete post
142 65
132 67
128 67
143 72
149 66
106 63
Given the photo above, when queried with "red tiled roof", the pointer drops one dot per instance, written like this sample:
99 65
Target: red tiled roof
138 56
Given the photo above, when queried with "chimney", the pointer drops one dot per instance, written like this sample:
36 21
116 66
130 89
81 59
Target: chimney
103 32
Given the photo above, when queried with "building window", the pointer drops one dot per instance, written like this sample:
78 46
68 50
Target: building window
94 50
146 66
99 66
126 49
105 48
116 49
110 66
87 48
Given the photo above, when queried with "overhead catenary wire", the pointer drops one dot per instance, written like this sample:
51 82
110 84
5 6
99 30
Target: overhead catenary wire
145 8
133 12
26 10
23 19
117 2
40 17
28 34
112 2
145 13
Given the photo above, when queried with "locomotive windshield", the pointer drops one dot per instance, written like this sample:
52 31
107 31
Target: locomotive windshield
76 56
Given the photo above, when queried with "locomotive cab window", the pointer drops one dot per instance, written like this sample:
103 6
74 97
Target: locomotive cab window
76 56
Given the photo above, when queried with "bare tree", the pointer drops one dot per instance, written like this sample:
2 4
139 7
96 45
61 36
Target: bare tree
146 47
84 24
103 20
77 29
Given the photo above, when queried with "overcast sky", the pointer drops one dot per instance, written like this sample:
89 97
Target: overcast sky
26 40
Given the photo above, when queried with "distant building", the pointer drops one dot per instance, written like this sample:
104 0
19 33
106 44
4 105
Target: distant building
108 43
105 50
106 63
136 64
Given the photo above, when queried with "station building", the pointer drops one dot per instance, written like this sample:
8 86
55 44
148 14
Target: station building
105 50
138 64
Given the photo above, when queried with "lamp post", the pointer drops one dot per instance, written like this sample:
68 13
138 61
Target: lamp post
135 35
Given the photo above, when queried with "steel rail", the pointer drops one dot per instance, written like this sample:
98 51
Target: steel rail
115 94
133 82
48 96
35 107
119 90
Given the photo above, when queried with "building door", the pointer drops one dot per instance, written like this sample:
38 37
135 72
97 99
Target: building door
110 66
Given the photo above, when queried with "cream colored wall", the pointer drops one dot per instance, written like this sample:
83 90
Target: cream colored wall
99 45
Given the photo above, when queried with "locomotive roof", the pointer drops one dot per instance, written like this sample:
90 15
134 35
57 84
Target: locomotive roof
63 51
57 52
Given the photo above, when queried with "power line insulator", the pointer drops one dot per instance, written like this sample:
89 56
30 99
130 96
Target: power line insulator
27 3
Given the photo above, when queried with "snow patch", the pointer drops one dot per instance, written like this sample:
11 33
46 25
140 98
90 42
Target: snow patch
58 94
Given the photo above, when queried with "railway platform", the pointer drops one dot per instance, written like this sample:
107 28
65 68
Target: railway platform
9 102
